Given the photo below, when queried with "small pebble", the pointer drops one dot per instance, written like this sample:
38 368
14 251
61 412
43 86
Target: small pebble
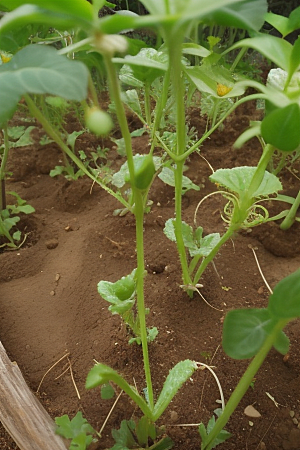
51 244
173 416
52 293
292 414
295 421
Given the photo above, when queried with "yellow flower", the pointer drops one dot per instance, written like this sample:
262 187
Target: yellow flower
5 58
222 89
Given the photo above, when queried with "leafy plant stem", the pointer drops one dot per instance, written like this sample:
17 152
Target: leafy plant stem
33 109
139 218
140 273
2 168
290 217
243 384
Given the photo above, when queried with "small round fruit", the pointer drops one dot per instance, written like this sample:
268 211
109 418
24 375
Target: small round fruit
98 121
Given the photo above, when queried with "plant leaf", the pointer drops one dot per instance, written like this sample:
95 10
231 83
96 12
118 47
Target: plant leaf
167 175
101 374
284 303
276 49
76 429
280 23
120 294
38 69
238 180
244 332
147 65
177 376
281 128
124 436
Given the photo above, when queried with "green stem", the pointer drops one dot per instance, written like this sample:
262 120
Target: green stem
243 385
174 48
290 217
139 218
35 112
238 58
147 104
115 93
93 91
178 224
208 133
241 209
2 168
260 170
230 231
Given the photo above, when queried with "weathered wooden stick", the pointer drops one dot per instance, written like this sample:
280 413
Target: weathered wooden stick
21 414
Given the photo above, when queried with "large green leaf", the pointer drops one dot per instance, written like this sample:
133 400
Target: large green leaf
246 15
34 14
79 8
177 376
281 128
244 332
238 180
276 49
40 70
284 303
280 23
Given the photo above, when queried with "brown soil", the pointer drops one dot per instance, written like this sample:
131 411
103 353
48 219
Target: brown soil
50 304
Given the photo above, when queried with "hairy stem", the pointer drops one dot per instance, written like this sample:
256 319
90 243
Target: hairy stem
2 168
115 93
139 218
174 48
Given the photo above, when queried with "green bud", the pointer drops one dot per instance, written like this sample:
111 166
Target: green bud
144 173
98 121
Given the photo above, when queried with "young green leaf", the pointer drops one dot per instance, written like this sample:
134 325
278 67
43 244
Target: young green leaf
192 240
120 294
280 128
107 391
177 376
238 180
284 303
244 332
78 429
124 437
167 175
222 436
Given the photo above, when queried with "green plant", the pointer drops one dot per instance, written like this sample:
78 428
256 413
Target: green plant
173 19
78 430
251 333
